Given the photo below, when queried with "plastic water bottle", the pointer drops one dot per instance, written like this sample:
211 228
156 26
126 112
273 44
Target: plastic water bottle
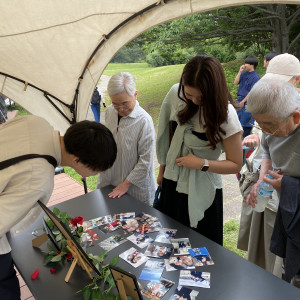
264 194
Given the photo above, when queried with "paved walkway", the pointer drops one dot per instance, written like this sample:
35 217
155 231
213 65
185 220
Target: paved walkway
231 193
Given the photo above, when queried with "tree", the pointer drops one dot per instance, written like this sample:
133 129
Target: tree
273 27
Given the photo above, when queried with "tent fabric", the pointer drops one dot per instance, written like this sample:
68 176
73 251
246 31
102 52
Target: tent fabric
60 48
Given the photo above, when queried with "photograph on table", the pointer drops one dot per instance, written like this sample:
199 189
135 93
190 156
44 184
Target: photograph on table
141 240
148 228
184 293
112 242
157 289
110 227
88 238
144 218
165 234
104 220
180 263
152 270
202 255
181 246
130 225
123 216
158 251
134 257
194 278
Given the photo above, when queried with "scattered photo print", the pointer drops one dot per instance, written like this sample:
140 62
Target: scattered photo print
124 216
184 293
152 270
180 263
147 228
88 238
158 251
202 256
194 278
181 246
87 225
134 257
145 218
165 234
112 242
130 225
103 221
141 240
110 227
157 289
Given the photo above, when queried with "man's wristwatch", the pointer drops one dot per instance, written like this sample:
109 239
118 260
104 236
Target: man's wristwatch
205 166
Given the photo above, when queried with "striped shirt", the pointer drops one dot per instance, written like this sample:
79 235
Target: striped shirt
135 138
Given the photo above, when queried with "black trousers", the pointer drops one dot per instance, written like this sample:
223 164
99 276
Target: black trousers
175 205
9 283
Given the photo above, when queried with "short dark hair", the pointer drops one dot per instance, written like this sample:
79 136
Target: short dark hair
92 143
251 60
271 55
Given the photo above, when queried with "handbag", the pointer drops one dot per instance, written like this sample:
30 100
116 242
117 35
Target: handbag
156 202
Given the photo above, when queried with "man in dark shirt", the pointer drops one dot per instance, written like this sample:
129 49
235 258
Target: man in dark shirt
246 80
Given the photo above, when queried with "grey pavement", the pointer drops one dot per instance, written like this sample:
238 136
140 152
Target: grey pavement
232 199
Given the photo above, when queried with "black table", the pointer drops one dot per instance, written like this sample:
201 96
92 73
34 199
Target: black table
232 277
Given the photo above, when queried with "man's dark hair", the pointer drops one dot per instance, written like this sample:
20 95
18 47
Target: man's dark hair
251 60
270 55
92 143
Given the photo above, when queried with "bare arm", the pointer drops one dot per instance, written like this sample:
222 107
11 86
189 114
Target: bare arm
237 78
231 165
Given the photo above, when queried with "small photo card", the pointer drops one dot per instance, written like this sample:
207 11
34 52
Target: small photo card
165 234
202 256
158 251
184 293
194 278
181 246
123 216
110 227
147 228
130 225
152 270
157 289
141 240
134 257
88 238
143 218
112 242
103 221
180 263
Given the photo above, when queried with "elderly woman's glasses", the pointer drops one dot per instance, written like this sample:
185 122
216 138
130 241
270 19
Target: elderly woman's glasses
273 130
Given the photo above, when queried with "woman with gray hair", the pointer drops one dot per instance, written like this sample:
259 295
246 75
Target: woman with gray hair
133 130
275 105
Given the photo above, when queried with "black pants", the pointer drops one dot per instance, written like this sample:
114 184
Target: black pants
175 205
9 283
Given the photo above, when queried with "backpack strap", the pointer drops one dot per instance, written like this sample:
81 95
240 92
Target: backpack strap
12 161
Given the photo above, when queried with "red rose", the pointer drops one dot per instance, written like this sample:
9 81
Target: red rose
76 220
35 274
52 271
69 256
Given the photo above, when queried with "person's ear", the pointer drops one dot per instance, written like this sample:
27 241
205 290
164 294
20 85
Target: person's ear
135 94
297 80
296 117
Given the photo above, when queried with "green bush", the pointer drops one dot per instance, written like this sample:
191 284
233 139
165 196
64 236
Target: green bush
154 59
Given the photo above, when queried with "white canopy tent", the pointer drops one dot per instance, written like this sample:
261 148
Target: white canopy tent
52 53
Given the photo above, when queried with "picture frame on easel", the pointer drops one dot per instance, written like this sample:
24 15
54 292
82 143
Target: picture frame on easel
126 283
80 256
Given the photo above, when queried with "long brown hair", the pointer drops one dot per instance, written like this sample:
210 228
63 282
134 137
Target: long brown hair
205 73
